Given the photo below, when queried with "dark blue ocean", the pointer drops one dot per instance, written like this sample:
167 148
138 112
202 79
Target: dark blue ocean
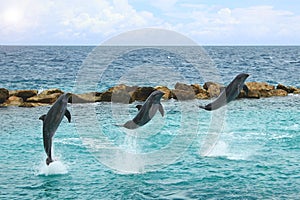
249 149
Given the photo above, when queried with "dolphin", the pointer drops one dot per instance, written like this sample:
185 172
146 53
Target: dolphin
146 111
229 93
52 120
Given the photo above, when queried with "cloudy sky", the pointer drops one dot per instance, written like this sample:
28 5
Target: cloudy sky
207 22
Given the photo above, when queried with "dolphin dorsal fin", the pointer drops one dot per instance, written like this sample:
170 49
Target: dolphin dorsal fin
42 117
161 110
68 115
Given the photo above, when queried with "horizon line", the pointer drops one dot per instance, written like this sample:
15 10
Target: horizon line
93 45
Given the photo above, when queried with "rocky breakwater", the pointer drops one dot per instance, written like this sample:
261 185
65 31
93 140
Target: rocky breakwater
128 94
31 98
4 94
262 89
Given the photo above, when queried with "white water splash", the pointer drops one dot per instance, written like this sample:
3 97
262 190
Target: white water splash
40 90
128 156
55 168
131 163
221 149
131 143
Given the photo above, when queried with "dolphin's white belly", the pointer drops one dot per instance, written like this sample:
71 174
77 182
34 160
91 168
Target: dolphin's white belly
153 110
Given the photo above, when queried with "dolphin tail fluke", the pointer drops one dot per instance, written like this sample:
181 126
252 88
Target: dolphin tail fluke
49 160
119 125
203 107
68 115
207 107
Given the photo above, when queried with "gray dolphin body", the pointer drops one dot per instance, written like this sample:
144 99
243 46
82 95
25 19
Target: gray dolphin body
229 93
147 111
52 120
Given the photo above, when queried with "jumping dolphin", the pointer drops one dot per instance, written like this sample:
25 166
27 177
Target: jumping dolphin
147 111
52 120
229 93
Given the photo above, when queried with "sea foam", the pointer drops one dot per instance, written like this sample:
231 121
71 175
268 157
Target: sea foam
55 168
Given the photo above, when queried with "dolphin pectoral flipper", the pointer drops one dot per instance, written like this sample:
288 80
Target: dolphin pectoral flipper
68 115
246 89
138 107
42 117
161 110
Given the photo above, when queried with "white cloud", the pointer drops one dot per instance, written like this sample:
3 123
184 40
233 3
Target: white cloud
258 24
264 23
107 18
75 21
90 22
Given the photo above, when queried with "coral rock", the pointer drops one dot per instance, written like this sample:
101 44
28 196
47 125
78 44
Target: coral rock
264 89
183 86
142 93
183 94
4 94
24 94
30 104
297 91
122 87
106 96
48 99
288 89
13 101
85 98
51 91
168 93
202 95
259 86
121 96
214 89
279 92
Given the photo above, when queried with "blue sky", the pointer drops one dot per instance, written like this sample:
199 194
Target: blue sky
207 22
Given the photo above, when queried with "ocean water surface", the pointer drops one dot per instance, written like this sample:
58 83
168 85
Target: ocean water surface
247 150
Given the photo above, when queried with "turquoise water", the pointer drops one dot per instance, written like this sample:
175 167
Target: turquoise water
247 150
256 157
